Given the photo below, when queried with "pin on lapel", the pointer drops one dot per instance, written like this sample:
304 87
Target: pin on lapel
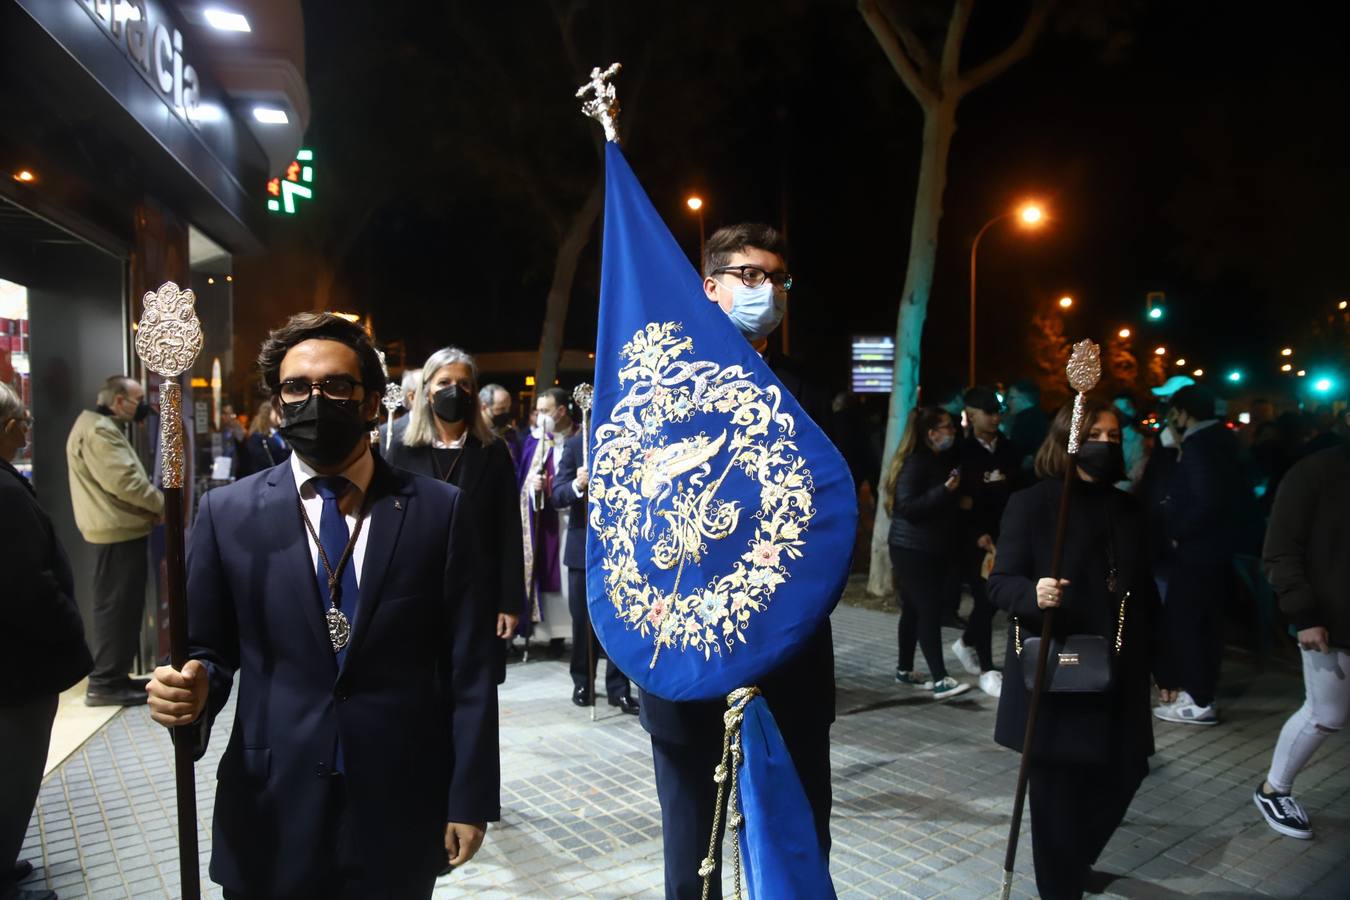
398 504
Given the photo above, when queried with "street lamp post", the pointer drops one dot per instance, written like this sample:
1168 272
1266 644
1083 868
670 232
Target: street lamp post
1031 216
695 203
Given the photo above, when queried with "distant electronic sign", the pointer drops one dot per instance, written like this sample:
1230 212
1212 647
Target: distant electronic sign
296 185
873 364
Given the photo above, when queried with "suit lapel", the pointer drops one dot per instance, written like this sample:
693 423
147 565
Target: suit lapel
281 511
389 501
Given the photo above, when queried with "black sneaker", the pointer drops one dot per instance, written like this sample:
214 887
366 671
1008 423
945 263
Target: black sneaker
1283 813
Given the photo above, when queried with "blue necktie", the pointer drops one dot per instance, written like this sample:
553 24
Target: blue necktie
333 536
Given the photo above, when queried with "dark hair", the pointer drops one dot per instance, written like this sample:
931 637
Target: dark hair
1027 388
1053 456
324 326
922 419
559 396
718 250
1194 400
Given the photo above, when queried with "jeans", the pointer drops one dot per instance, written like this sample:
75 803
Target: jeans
1326 682
921 579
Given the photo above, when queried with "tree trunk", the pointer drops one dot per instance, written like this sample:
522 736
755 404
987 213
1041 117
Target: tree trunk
939 124
574 240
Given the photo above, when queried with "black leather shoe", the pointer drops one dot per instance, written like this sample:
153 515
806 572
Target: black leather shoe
625 704
118 695
22 869
581 697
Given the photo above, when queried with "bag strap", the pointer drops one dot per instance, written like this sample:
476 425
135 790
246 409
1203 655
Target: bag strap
1120 628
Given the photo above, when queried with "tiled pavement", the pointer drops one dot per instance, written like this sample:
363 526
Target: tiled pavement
922 799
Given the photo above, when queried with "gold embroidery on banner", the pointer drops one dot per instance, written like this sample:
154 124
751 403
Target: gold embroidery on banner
647 483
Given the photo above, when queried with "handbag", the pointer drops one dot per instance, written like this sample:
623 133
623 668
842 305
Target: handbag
1081 663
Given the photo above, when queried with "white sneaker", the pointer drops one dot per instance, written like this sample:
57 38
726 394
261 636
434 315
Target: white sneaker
969 660
948 687
1186 711
991 682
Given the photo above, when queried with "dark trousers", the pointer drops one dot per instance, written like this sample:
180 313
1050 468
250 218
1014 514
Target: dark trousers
352 875
922 581
25 732
688 795
1074 812
616 683
979 633
1193 613
119 602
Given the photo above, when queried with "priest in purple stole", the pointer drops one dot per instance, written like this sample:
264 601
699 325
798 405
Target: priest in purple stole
546 616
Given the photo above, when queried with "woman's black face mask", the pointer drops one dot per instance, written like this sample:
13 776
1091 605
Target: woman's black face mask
450 404
1103 461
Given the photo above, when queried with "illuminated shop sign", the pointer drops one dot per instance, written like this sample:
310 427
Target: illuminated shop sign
298 184
148 37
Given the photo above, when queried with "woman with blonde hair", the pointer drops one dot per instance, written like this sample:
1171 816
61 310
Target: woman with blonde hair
264 447
448 439
920 490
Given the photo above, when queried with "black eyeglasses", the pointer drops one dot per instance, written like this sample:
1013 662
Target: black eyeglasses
753 276
334 387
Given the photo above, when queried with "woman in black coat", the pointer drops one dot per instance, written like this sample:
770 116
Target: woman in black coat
921 486
45 651
264 447
1090 751
447 438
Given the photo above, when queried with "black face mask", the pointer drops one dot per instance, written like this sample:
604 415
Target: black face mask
324 432
1103 461
452 405
142 412
501 420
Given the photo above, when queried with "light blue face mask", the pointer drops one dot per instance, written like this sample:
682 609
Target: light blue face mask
756 311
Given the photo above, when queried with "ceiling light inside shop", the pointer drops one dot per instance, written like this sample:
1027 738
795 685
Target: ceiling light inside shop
207 112
270 115
224 20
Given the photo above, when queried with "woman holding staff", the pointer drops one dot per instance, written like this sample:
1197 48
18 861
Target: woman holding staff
1092 741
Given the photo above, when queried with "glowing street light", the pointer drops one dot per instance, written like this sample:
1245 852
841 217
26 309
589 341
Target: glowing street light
1199 373
695 204
1342 305
1123 333
1160 351
25 175
1301 372
1065 302
1030 215
1181 361
1286 368
1287 351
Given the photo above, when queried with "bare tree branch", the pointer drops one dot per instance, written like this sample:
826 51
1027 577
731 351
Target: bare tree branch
923 60
891 45
951 45
991 69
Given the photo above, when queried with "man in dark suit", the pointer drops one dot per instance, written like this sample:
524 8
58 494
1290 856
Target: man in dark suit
569 492
687 737
363 757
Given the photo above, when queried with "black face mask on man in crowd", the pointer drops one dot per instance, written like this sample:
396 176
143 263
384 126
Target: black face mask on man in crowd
323 431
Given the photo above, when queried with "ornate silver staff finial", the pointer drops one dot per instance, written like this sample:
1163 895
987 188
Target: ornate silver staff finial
604 106
168 339
1084 370
582 395
393 391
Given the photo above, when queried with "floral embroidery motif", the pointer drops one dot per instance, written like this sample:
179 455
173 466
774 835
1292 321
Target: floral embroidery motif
659 485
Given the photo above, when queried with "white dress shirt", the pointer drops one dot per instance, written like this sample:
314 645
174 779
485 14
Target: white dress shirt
359 474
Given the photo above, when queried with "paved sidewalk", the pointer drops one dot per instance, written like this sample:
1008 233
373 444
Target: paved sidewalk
922 798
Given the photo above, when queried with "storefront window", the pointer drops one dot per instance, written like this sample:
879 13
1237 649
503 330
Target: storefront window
15 369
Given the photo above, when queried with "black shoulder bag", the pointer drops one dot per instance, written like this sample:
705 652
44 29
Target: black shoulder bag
1082 663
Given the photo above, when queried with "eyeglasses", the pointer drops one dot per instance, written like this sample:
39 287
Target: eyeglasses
335 387
753 276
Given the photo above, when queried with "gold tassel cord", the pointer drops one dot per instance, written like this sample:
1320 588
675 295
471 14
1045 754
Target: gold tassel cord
731 753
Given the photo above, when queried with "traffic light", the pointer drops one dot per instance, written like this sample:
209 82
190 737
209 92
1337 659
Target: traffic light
1155 305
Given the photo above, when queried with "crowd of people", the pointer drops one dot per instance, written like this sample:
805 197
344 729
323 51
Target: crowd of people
378 725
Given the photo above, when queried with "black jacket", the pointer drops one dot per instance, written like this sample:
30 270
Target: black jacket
924 515
1086 729
1204 505
45 651
988 479
259 452
486 478
574 554
1307 552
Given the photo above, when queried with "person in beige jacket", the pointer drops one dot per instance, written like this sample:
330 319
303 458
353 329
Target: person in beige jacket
116 506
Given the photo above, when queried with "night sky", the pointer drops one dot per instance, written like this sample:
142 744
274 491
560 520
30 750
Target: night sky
1191 148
